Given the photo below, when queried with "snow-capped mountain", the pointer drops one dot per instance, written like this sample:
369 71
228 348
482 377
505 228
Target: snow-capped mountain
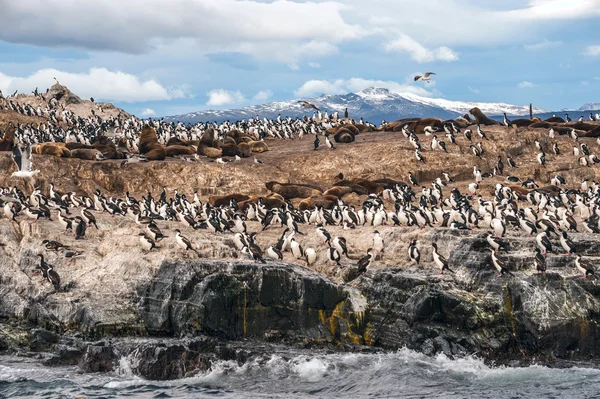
589 107
372 104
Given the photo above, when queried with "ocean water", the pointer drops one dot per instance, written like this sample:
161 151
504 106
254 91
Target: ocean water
402 374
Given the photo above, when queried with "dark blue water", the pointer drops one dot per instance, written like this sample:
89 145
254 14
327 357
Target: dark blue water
402 374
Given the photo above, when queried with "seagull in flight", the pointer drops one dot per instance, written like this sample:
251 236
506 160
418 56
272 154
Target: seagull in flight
22 159
424 78
306 104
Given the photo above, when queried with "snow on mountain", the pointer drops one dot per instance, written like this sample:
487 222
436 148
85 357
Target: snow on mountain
589 107
372 104
463 107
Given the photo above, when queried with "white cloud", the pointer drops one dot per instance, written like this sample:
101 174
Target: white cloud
542 45
220 97
263 95
592 51
314 65
585 83
596 77
474 90
148 112
525 84
418 52
343 86
136 26
97 82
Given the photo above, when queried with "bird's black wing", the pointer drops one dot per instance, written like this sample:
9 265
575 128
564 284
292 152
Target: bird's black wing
17 156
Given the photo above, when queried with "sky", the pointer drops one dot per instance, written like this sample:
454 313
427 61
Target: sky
159 58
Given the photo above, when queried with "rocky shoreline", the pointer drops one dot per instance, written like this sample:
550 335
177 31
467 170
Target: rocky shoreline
191 312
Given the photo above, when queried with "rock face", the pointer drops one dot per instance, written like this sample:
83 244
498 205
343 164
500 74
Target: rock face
524 317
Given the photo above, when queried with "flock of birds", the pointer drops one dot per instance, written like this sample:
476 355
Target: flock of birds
546 213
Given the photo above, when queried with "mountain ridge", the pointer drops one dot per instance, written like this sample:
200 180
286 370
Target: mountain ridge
373 104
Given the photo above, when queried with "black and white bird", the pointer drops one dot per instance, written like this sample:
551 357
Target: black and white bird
541 158
502 270
495 242
328 142
543 242
146 242
412 180
481 132
365 262
511 162
317 142
22 158
567 244
425 78
333 255
419 157
80 229
413 252
584 268
506 122
48 272
539 261
439 260
184 242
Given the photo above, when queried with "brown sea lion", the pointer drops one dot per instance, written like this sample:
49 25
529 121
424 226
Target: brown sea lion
586 127
87 154
176 141
229 150
344 136
55 149
244 150
208 151
482 118
156 154
420 125
362 128
356 188
173 150
388 183
8 141
107 148
338 191
371 187
209 138
327 202
259 146
555 119
290 191
221 200
541 125
521 122
148 139
75 146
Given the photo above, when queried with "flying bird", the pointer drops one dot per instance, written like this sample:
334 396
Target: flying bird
424 78
22 158
306 104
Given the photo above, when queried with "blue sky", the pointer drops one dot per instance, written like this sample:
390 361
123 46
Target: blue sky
156 58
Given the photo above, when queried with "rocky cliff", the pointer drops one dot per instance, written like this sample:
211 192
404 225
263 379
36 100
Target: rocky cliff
173 312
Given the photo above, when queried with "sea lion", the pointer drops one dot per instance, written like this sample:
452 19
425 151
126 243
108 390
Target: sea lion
178 141
173 150
221 200
327 202
75 146
8 141
344 136
209 151
521 122
420 125
356 188
244 150
338 191
481 118
259 146
156 154
209 138
55 149
555 119
371 187
362 128
148 140
541 125
388 183
586 127
107 148
87 154
229 150
290 191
